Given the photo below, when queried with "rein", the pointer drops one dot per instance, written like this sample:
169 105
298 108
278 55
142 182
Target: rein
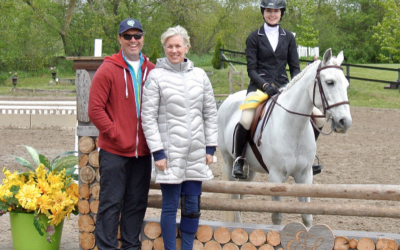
325 104
274 100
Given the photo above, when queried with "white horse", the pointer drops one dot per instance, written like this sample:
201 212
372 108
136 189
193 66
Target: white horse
288 145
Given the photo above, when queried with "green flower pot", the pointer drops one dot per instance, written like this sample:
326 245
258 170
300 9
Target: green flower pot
26 237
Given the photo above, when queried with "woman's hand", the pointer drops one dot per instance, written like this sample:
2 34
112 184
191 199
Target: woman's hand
209 159
161 164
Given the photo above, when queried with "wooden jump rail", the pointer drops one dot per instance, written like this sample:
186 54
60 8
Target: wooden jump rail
349 191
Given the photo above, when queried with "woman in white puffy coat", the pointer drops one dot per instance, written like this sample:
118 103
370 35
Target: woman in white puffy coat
179 119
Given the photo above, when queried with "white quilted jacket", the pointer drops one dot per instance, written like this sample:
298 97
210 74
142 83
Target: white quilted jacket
179 115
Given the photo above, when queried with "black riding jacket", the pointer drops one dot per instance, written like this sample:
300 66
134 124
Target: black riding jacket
265 65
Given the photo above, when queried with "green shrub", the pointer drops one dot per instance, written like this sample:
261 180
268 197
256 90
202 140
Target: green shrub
154 55
216 61
3 77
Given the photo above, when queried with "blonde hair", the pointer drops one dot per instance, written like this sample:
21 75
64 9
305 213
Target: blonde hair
173 31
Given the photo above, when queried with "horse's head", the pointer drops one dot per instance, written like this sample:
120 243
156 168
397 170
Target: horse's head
330 92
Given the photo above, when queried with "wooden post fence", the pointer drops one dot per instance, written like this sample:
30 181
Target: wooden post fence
349 191
232 81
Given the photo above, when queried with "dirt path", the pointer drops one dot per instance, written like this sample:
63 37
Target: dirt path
367 154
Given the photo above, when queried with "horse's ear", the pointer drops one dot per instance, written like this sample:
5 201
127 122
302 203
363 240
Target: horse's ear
340 58
327 56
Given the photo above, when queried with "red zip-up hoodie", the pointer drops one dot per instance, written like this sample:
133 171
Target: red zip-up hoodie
112 107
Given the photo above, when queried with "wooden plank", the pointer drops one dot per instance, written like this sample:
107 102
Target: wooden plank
345 191
290 207
86 62
87 131
83 81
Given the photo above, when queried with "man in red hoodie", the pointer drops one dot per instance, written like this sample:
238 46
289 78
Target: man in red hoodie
125 160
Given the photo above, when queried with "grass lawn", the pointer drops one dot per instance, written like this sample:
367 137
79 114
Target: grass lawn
361 93
35 82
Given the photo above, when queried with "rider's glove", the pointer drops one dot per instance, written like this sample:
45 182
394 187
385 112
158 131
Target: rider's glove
270 90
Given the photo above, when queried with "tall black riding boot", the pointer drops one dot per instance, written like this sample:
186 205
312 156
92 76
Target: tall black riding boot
317 167
241 138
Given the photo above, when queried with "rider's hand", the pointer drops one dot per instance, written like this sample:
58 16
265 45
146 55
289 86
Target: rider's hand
270 90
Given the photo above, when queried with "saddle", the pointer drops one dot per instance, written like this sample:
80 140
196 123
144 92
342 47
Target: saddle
259 117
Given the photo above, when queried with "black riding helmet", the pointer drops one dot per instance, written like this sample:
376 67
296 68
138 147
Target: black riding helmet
273 4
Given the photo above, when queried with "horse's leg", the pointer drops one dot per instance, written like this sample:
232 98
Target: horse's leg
251 176
276 178
305 179
228 216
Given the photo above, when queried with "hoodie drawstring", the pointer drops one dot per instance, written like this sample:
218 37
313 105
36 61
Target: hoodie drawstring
126 85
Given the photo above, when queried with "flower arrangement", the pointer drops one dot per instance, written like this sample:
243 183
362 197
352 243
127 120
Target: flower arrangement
53 69
49 189
14 75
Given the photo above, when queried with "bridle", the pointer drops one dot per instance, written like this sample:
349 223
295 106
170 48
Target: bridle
325 104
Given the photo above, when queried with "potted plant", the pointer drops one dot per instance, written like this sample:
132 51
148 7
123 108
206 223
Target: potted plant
53 72
43 197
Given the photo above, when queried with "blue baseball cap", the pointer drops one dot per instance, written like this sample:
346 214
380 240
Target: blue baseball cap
128 24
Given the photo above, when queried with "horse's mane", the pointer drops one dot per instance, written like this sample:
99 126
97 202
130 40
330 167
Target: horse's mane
300 75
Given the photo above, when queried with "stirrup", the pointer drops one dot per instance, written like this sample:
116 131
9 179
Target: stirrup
317 167
243 177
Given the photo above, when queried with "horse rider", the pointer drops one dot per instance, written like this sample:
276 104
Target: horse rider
268 50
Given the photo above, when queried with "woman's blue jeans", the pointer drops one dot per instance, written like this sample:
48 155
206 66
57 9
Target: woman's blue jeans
171 194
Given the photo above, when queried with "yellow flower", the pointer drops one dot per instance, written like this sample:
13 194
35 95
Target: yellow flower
73 192
43 186
27 197
40 172
56 216
43 204
56 182
59 198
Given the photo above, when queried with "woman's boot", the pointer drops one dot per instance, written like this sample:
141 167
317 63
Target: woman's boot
240 142
317 167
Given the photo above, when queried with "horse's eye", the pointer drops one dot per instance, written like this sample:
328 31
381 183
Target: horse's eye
330 83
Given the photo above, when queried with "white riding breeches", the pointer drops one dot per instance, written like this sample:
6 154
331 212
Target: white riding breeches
248 114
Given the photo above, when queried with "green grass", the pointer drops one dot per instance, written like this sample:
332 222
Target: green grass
361 93
41 81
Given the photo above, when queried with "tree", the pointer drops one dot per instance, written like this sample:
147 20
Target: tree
216 61
56 15
154 55
306 35
356 19
26 43
387 32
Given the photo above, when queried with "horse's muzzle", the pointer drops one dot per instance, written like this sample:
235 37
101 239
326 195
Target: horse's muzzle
341 125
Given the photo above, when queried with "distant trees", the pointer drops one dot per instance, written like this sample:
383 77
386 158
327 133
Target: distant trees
387 32
35 32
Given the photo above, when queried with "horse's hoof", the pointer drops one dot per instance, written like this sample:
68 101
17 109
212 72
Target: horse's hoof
317 169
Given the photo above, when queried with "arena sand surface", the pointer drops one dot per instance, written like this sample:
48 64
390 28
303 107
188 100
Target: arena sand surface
367 154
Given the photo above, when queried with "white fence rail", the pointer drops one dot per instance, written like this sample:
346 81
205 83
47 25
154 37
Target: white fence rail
307 51
38 114
38 107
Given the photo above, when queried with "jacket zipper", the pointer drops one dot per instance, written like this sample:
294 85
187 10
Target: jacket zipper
187 118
